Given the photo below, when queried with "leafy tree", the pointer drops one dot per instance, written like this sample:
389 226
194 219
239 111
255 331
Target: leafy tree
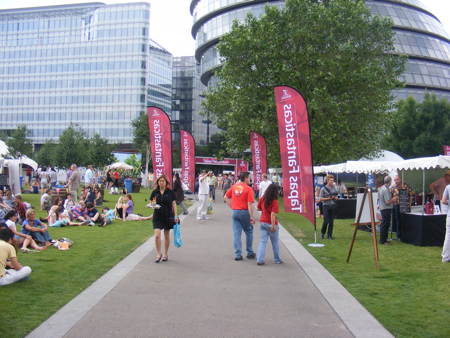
421 128
100 152
141 138
19 143
334 52
45 156
71 148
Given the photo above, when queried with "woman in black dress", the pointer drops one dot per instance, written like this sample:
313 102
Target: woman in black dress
164 216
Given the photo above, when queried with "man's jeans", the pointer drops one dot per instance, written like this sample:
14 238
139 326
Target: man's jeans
265 233
241 221
386 215
396 220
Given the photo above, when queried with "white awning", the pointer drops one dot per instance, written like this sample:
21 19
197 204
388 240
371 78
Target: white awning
436 162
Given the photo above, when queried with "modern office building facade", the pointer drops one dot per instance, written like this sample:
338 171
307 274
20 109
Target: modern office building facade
186 100
159 88
81 64
418 34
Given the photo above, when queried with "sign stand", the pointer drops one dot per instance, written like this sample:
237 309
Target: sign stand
315 244
357 225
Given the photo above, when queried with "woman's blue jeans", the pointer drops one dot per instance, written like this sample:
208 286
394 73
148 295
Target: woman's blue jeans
241 222
265 234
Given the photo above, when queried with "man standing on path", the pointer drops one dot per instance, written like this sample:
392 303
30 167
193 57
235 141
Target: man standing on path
74 182
385 202
263 185
240 199
203 193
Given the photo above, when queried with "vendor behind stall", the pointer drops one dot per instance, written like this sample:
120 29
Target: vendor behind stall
438 187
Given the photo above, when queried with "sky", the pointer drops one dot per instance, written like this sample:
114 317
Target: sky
171 21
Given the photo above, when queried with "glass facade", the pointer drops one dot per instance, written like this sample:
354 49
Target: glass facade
159 89
85 64
186 99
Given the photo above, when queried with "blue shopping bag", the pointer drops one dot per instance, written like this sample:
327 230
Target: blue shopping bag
177 241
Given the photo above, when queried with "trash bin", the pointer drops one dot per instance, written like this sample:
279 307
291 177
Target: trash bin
21 181
128 182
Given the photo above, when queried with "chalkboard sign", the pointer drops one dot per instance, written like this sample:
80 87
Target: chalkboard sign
404 200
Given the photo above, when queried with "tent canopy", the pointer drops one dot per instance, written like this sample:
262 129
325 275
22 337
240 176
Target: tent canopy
367 167
120 165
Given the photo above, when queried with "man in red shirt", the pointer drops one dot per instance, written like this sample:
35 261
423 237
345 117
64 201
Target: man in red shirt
240 199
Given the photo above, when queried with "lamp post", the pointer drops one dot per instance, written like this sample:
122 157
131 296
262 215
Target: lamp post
207 122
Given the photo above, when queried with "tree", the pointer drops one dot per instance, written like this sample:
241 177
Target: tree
71 148
45 156
19 143
421 129
100 152
141 138
335 53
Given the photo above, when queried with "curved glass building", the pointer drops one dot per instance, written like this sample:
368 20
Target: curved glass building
418 34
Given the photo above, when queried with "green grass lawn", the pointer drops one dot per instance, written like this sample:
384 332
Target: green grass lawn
410 293
58 276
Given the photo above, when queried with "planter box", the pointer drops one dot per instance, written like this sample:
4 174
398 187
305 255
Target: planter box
136 187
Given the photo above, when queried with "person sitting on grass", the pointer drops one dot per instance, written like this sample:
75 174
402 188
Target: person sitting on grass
90 196
93 216
130 209
8 258
64 220
46 200
122 206
98 197
69 203
53 212
108 216
20 240
83 194
78 213
21 208
9 199
35 228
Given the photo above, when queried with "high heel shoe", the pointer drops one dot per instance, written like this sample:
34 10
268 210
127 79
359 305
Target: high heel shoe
165 258
158 259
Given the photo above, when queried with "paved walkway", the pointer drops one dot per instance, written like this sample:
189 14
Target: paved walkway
202 292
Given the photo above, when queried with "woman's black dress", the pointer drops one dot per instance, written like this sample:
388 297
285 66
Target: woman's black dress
163 218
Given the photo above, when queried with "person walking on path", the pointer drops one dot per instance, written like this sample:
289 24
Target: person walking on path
226 184
386 201
74 182
444 200
203 192
164 203
268 204
240 199
8 257
328 195
179 193
212 182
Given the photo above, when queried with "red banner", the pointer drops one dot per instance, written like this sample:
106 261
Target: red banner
446 150
160 142
187 159
259 158
241 165
295 151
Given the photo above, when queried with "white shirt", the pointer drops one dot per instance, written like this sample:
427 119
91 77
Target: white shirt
263 186
11 225
203 185
88 176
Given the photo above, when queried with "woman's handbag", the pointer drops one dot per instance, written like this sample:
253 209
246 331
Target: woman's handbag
177 241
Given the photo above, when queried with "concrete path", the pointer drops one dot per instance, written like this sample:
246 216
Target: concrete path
202 292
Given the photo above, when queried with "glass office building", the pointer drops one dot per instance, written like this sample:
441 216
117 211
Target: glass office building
159 89
418 34
81 64
186 100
